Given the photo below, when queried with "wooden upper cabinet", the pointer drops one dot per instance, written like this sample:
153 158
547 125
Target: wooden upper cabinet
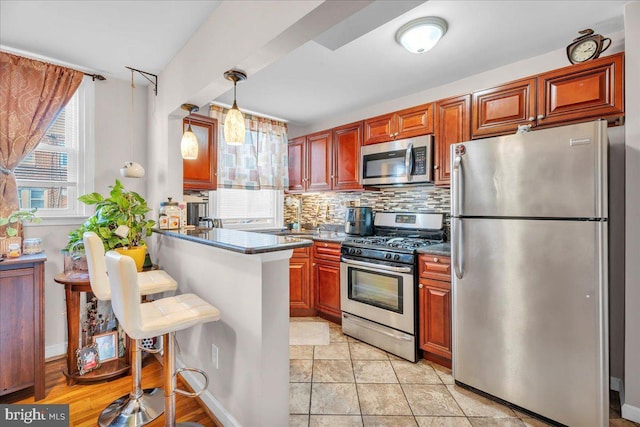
591 90
379 129
319 161
201 173
413 121
500 110
347 141
453 117
297 164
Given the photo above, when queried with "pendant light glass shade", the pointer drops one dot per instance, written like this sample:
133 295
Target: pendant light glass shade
234 130
422 34
189 145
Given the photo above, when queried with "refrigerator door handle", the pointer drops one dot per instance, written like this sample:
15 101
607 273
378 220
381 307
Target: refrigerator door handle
456 200
456 247
408 161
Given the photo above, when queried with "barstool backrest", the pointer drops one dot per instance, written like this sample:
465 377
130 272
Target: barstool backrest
125 292
94 250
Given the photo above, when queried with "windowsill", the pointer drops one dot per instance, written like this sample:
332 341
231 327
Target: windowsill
55 221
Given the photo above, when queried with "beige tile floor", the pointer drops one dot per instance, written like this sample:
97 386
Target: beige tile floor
350 383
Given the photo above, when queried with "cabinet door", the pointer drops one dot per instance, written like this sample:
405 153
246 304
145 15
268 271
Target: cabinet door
201 173
452 126
297 166
326 277
319 161
18 296
414 121
347 141
501 109
435 317
587 91
379 129
300 289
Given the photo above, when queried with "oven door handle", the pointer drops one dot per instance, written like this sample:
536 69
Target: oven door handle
376 266
367 325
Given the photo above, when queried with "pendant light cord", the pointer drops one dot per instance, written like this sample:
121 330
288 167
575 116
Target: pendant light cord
133 129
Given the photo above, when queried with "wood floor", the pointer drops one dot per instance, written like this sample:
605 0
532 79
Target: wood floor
87 401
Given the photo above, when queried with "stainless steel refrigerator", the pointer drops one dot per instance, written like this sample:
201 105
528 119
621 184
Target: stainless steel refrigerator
529 251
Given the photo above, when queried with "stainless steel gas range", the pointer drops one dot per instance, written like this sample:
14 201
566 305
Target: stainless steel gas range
378 280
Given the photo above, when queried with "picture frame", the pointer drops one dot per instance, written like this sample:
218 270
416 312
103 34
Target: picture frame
87 359
107 345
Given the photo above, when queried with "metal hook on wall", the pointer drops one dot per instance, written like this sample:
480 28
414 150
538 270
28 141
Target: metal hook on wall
145 74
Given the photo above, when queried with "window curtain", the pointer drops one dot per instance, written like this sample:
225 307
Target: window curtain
261 162
32 93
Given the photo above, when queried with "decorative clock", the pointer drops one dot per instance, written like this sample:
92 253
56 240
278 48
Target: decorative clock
587 47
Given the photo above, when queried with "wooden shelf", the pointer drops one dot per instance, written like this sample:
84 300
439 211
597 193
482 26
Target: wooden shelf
108 370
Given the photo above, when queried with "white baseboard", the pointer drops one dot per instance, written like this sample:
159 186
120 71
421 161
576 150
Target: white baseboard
207 398
631 413
55 350
615 384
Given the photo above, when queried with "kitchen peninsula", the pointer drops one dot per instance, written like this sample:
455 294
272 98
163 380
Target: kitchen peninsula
245 354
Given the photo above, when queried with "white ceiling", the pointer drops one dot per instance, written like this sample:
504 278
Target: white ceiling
354 64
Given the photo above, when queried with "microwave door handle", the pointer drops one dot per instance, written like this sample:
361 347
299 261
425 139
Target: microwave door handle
408 161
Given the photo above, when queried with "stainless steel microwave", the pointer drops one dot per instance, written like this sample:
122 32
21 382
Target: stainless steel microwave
406 161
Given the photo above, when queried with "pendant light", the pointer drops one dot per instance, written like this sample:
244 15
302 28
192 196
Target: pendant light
189 142
422 34
132 169
234 131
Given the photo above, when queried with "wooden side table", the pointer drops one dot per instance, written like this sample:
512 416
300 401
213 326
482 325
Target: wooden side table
112 369
22 324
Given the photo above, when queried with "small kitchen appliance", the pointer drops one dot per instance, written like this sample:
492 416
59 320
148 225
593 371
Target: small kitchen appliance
359 221
378 280
530 285
195 212
402 162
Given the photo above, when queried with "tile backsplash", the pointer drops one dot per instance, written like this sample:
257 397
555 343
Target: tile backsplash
329 207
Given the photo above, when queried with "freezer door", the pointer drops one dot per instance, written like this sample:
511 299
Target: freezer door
552 173
530 315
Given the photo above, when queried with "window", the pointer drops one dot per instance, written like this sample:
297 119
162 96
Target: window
61 167
247 209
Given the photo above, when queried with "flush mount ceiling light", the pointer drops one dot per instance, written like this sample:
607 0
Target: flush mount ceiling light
189 142
422 34
234 131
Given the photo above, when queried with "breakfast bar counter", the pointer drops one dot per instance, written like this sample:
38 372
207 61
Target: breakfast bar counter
246 353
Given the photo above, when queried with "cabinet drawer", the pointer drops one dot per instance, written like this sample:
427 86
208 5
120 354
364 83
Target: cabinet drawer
301 252
326 250
435 267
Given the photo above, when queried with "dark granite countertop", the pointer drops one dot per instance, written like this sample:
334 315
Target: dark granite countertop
322 235
244 242
442 249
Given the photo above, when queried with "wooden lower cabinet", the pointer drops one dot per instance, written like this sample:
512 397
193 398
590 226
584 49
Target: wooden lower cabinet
435 308
22 325
301 292
326 278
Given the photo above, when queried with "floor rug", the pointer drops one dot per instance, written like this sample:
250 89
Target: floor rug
308 333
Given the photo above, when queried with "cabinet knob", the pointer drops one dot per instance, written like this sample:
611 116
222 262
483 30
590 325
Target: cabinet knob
540 116
421 286
390 135
436 167
395 134
326 245
435 260
531 118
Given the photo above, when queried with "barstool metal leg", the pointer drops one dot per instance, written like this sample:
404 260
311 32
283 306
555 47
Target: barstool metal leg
137 408
169 369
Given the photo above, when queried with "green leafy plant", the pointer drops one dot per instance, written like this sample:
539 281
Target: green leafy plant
13 221
120 219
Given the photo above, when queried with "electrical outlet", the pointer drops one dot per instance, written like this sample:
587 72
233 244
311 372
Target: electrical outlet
214 355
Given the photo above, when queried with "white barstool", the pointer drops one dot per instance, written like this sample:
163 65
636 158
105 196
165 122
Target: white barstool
139 407
161 317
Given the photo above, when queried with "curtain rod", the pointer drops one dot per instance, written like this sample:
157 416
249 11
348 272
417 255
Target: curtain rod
43 58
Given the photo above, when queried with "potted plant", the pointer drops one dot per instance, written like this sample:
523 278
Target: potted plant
119 220
11 227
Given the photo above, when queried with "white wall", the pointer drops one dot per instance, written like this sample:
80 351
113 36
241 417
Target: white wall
631 407
112 149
